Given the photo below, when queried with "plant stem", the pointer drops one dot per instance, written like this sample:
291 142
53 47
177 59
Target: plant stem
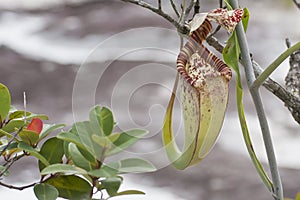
159 4
250 76
174 8
16 187
269 70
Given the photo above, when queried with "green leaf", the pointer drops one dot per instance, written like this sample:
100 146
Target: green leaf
13 125
18 114
71 137
298 196
53 151
29 137
4 133
66 150
71 187
132 165
129 192
112 185
85 133
48 128
88 155
245 19
104 171
45 192
62 168
2 168
11 146
125 140
33 152
102 120
4 102
40 116
78 159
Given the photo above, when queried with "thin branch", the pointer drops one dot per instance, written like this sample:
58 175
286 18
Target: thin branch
174 8
10 163
197 7
159 4
250 76
11 140
180 28
18 188
188 10
297 3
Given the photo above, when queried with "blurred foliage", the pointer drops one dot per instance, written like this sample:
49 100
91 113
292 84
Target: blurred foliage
71 164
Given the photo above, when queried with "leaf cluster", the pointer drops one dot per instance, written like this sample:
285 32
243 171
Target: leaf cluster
72 164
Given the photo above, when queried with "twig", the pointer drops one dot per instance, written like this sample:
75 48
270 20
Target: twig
174 8
180 28
250 76
11 140
197 7
188 10
297 3
18 188
159 4
10 163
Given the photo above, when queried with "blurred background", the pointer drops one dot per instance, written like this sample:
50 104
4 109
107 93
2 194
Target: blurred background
69 55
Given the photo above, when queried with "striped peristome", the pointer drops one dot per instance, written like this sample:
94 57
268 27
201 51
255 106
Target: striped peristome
195 49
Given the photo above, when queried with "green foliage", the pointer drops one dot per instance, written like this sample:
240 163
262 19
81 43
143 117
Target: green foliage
71 187
4 102
45 191
72 163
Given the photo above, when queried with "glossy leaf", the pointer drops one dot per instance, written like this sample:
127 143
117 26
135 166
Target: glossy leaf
78 159
102 120
40 116
132 165
4 133
231 54
71 137
104 171
13 125
4 102
29 137
122 141
87 155
66 150
18 114
112 185
53 151
49 128
129 192
45 192
71 187
85 133
32 151
62 168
